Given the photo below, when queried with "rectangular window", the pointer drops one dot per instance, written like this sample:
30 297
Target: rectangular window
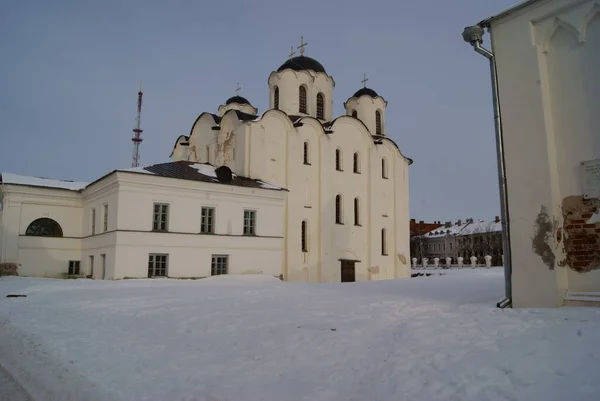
249 222
105 217
157 264
207 223
383 242
93 221
219 265
91 265
207 154
74 267
161 217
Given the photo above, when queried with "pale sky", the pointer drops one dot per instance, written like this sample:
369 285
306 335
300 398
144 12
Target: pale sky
69 74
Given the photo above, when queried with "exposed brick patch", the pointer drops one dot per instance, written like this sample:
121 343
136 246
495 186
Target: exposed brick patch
543 235
9 269
581 240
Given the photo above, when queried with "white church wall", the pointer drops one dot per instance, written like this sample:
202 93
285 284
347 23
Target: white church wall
41 256
289 82
268 148
548 94
366 108
303 203
202 141
245 108
180 151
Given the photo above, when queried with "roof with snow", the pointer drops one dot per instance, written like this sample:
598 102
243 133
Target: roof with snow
204 172
180 170
16 179
476 227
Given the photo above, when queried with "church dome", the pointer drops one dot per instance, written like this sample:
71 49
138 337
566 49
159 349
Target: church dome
237 99
365 91
302 63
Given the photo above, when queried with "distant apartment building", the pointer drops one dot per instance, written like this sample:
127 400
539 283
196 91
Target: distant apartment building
461 239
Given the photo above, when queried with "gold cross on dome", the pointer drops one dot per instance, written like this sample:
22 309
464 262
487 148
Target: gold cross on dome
365 79
292 52
302 44
237 89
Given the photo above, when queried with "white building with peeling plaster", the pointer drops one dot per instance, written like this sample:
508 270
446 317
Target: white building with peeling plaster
547 55
347 212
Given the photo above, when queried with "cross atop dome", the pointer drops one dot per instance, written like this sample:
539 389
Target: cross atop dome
364 81
302 45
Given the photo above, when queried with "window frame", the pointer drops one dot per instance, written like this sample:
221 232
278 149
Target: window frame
44 227
339 160
208 226
304 235
152 265
302 100
74 268
157 217
320 106
356 163
339 209
216 268
249 229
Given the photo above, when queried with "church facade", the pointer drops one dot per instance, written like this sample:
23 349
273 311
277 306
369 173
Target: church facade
346 216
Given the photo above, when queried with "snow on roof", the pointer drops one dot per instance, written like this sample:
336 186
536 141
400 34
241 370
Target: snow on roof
475 227
15 179
136 170
206 169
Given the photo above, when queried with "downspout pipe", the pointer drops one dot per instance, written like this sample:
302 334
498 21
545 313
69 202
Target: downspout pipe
474 36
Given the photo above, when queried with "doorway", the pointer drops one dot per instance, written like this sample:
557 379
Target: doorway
348 271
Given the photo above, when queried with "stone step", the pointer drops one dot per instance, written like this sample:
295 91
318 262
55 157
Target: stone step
582 299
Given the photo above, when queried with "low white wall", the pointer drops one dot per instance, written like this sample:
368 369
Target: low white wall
47 257
191 255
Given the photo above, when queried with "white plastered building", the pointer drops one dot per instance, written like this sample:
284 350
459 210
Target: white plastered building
346 216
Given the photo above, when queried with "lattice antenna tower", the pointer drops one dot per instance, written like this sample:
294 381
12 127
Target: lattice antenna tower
137 131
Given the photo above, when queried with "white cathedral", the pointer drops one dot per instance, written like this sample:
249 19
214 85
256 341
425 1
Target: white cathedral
293 192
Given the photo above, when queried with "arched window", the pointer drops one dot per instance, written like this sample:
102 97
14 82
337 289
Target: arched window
276 98
377 122
338 160
304 236
306 156
356 212
44 227
357 163
339 213
354 114
384 241
384 171
320 106
302 99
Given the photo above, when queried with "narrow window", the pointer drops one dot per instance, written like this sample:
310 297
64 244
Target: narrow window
338 210
157 264
320 106
74 267
306 153
44 227
302 100
207 154
91 265
356 163
354 114
105 217
161 217
249 222
304 236
383 242
384 172
338 160
276 98
93 222
207 222
219 265
377 122
356 212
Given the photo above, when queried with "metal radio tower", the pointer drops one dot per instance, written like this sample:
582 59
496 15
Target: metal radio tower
137 131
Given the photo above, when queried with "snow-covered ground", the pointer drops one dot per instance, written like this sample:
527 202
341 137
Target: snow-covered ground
257 338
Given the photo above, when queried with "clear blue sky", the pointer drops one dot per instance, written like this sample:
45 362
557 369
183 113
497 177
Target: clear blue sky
69 72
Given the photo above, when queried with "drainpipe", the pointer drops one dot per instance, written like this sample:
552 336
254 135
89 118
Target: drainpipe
474 36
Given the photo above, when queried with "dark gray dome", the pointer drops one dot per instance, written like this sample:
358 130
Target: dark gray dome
237 99
365 91
301 63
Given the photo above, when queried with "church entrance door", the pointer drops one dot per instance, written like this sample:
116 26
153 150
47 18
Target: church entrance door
348 271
